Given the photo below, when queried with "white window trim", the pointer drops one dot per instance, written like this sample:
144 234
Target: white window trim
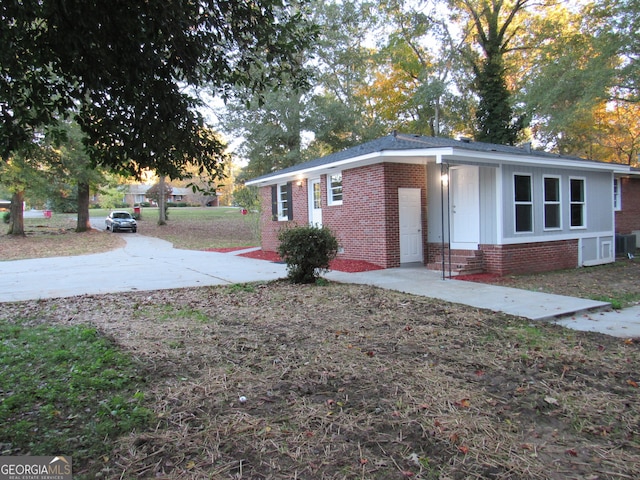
530 202
545 203
330 200
282 217
583 203
617 194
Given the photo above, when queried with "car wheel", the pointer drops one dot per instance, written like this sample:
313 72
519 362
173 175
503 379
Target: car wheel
134 230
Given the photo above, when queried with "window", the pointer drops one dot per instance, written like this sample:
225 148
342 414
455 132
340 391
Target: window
335 189
317 195
523 203
283 202
617 194
552 213
576 186
281 205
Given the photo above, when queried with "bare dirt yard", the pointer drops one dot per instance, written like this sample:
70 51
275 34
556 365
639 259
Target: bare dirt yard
354 382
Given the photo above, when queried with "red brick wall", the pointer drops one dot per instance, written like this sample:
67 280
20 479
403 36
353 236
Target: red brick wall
269 227
366 224
530 257
628 219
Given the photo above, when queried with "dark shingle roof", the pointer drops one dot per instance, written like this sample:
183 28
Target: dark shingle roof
398 141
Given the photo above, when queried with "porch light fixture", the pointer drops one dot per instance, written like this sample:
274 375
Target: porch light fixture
444 178
299 183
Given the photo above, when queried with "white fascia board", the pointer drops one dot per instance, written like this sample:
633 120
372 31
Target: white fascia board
471 157
359 161
444 155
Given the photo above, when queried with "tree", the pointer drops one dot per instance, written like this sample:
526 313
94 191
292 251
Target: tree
270 127
76 170
27 169
341 113
493 31
160 192
618 26
416 66
121 68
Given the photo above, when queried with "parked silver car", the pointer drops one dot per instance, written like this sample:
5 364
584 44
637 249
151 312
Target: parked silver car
121 220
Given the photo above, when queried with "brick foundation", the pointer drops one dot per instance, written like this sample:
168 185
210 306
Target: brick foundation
530 257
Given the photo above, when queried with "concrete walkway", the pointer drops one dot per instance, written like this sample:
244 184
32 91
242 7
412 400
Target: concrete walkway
575 313
147 263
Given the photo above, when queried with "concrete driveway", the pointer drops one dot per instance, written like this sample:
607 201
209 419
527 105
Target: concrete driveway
145 263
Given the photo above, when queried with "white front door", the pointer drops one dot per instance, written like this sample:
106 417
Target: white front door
315 202
410 218
465 207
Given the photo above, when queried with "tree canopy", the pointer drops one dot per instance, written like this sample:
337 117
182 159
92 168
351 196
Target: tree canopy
129 72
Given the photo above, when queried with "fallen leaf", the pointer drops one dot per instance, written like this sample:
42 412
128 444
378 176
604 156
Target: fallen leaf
464 403
551 400
632 383
190 465
463 449
363 461
572 452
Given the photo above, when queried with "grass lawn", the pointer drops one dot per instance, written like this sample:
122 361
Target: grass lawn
189 228
341 381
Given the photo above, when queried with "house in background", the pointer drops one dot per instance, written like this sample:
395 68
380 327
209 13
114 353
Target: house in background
476 207
136 194
627 207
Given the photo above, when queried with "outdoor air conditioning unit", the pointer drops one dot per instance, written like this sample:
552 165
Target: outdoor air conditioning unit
625 245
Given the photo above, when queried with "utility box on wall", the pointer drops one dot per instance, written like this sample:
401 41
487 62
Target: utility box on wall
625 245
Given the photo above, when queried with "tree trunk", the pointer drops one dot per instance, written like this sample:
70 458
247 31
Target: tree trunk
84 222
16 223
162 202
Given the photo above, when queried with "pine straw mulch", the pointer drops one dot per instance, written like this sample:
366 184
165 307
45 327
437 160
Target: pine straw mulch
354 382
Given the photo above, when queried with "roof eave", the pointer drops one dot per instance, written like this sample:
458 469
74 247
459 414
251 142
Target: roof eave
470 157
358 161
442 155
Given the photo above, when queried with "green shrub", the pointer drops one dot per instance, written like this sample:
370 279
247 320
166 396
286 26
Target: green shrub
6 217
307 251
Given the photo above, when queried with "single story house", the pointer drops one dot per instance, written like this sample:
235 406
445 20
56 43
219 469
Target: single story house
136 194
456 205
